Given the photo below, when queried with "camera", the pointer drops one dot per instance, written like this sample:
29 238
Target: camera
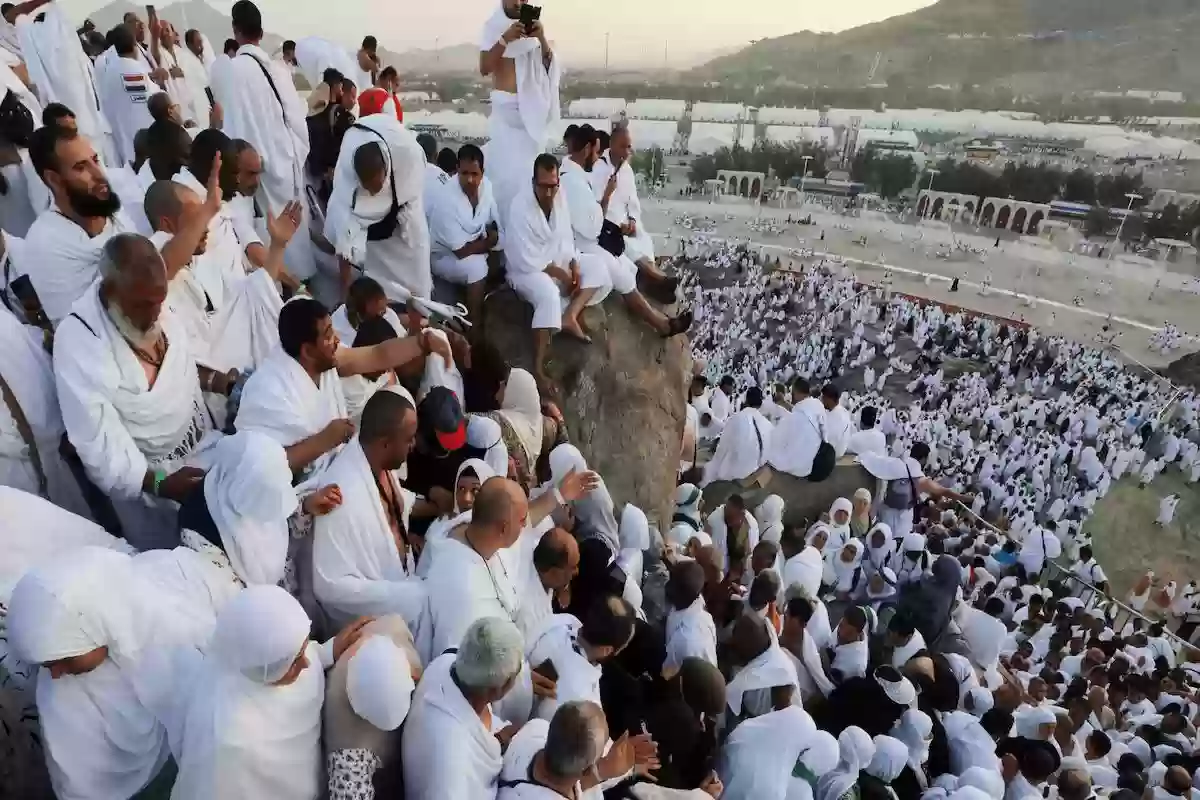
529 15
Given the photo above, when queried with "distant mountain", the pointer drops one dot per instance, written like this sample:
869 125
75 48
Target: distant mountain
458 58
185 15
1031 46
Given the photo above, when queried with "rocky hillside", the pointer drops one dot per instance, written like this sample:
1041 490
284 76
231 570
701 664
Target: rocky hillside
1185 370
1031 46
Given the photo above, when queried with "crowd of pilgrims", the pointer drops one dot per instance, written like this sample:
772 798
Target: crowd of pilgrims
394 575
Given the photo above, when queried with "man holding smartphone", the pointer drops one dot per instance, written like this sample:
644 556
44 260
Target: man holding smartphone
525 106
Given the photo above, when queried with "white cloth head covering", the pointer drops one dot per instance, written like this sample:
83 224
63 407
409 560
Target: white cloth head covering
913 542
635 528
855 751
985 780
379 683
260 632
891 757
687 502
915 729
770 518
521 408
844 571
249 493
481 470
243 734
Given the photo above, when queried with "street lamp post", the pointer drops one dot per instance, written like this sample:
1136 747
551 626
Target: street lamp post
1132 196
803 176
929 206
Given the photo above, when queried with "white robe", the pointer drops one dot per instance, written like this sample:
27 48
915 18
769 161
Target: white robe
1166 510
624 206
838 429
282 401
520 124
742 450
26 368
196 76
315 54
446 750
401 262
68 259
454 223
357 568
120 426
757 759
587 219
125 88
277 127
796 440
557 641
691 633
62 72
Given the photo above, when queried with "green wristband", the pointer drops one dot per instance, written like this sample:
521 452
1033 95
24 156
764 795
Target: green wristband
159 477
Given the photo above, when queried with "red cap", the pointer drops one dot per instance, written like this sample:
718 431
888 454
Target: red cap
455 439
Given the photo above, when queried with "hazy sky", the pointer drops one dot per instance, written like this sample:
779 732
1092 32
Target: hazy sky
638 28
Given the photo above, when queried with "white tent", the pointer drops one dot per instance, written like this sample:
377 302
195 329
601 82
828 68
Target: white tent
656 109
606 107
718 112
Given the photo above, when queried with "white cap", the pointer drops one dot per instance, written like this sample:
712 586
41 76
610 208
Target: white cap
379 683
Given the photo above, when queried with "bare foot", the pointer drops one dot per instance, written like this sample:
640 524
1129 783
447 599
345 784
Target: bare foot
571 328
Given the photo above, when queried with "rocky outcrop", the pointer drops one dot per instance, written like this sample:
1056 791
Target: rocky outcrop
1185 370
622 396
803 499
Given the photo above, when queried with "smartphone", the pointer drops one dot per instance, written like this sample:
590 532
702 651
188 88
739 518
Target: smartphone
546 670
530 15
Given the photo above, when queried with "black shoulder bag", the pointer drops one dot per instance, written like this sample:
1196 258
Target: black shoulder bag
384 229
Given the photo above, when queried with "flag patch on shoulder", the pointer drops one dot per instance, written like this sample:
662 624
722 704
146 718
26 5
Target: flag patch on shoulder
136 86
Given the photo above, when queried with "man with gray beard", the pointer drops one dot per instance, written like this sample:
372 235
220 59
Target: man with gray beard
131 392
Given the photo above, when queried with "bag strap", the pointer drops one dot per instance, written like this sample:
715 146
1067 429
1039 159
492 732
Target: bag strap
84 324
758 435
391 166
267 74
26 431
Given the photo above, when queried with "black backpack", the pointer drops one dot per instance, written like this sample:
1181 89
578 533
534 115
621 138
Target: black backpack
825 459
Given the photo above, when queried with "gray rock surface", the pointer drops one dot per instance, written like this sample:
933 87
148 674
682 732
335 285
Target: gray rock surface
1185 370
804 500
623 396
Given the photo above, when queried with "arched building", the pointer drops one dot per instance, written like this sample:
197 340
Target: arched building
989 212
947 206
741 183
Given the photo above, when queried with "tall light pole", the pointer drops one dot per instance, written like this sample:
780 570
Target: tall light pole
803 177
929 207
1132 196
606 57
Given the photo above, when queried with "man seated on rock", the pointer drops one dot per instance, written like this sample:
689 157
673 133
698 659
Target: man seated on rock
295 397
742 450
543 266
464 228
587 219
130 390
625 210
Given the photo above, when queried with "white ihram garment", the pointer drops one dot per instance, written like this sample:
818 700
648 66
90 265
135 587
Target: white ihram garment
519 124
400 262
238 735
196 76
26 368
277 128
69 259
758 757
453 224
102 729
743 447
357 568
796 440
587 218
532 243
314 55
121 426
624 206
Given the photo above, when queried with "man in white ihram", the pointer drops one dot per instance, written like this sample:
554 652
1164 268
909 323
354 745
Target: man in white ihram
260 105
376 215
130 392
525 78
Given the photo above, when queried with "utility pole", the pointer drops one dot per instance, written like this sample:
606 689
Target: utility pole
606 57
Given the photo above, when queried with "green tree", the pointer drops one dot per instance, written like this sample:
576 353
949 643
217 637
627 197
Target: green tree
886 174
648 162
1079 187
1096 223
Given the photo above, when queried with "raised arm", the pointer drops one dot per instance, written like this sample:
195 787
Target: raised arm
181 249
489 60
391 354
21 9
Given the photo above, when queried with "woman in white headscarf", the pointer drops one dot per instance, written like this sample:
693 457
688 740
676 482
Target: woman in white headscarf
635 541
251 724
915 730
880 549
846 568
860 515
687 519
891 757
98 622
471 475
878 590
839 522
770 519
521 426
855 751
594 512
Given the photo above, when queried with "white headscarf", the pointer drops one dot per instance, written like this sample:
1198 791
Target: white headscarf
891 757
770 518
836 531
635 528
855 751
250 496
816 761
379 683
915 729
687 503
843 570
243 736
521 408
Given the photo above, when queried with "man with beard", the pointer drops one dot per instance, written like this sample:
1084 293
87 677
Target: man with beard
587 219
463 224
525 104
85 214
130 391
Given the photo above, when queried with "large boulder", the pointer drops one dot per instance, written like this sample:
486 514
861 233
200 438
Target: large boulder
1185 370
803 499
622 396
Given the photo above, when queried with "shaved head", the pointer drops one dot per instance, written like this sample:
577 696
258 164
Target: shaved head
500 513
164 202
370 166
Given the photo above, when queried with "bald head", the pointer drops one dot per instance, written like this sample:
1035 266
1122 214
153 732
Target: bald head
370 166
702 686
556 559
750 638
500 513
1177 781
1075 784
164 203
